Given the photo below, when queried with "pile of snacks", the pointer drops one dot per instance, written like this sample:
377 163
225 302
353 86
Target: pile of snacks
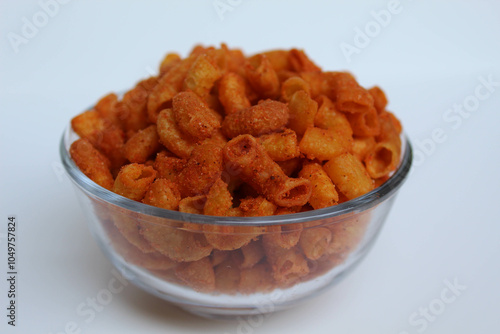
221 134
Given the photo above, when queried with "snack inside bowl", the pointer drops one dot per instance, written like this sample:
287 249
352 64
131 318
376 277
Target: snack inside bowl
228 266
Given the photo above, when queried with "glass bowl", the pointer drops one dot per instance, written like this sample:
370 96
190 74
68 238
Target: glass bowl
261 264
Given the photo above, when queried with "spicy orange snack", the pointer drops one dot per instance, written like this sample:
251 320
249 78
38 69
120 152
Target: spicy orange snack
220 134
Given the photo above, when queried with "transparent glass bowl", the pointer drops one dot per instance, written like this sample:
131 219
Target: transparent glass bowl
289 259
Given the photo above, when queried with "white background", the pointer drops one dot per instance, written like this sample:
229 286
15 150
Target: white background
445 222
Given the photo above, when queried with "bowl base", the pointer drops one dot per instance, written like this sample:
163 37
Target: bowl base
229 314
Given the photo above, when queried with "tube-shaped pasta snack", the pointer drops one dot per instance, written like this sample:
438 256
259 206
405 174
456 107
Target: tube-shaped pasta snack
361 146
349 175
142 145
285 75
87 123
266 117
301 63
349 95
129 229
202 169
390 128
302 112
285 236
110 142
220 58
315 241
280 146
322 144
232 93
395 121
319 83
218 256
160 98
293 85
219 199
379 98
224 237
235 60
106 109
171 136
199 49
163 194
288 265
346 235
91 162
279 59
256 207
263 174
168 167
105 136
323 193
132 109
382 159
168 85
328 117
198 275
252 254
262 76
214 105
365 123
202 75
292 192
151 261
193 204
176 243
227 276
169 61
256 279
133 181
193 117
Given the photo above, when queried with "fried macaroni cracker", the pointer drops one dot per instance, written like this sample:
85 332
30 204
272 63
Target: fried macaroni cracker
224 135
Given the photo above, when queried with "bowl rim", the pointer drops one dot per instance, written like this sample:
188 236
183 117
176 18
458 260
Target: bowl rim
356 205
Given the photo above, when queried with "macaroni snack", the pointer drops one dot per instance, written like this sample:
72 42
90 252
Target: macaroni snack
220 134
264 175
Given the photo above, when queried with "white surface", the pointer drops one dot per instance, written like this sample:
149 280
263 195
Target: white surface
444 225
